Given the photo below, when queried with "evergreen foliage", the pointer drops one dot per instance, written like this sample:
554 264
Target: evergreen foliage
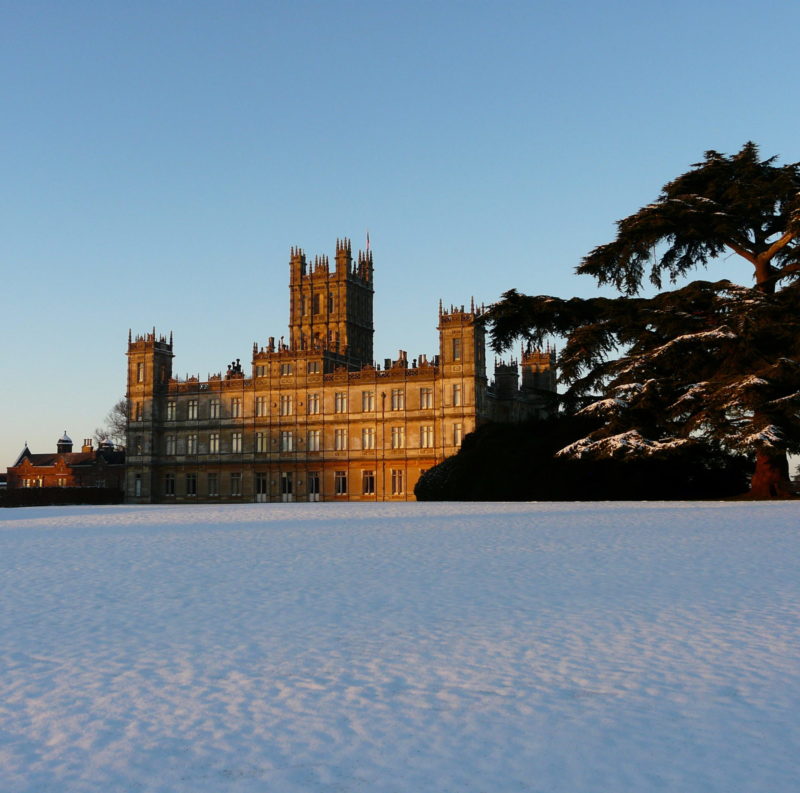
710 363
503 462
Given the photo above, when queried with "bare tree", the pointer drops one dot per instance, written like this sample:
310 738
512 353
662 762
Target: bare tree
115 426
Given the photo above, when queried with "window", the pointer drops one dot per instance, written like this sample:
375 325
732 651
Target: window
398 399
137 412
315 304
368 438
191 484
191 409
262 486
170 445
397 482
61 481
330 304
313 440
340 402
262 406
340 439
286 408
287 441
426 437
340 483
286 369
398 437
138 445
456 349
169 484
137 486
191 444
213 443
236 442
236 484
236 408
213 485
425 398
368 483
261 370
312 403
261 442
171 411
213 409
456 394
312 367
458 434
139 372
367 401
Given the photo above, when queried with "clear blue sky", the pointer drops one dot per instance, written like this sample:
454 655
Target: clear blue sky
160 158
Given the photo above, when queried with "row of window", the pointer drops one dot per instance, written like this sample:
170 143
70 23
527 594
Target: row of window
397 401
287 439
316 304
61 481
397 484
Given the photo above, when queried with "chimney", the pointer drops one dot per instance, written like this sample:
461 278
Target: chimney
87 446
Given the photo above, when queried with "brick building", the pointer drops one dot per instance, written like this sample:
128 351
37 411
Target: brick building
316 418
90 467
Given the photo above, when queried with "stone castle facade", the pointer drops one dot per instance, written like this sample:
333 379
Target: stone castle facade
315 418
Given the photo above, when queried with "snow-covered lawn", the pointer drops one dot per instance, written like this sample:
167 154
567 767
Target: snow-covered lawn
450 648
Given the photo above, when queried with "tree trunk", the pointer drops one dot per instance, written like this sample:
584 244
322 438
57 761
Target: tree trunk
771 476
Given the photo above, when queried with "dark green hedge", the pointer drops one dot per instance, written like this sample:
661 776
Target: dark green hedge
53 496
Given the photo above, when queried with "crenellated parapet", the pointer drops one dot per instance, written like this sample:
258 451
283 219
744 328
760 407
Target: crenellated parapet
149 341
330 308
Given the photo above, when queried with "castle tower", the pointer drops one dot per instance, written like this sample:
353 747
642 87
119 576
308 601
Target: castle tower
332 310
462 342
506 379
539 370
149 372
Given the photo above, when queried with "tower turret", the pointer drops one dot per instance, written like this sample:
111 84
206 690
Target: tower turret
462 341
539 370
64 444
506 379
332 310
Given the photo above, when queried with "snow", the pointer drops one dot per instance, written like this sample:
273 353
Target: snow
399 648
603 407
717 334
626 443
770 436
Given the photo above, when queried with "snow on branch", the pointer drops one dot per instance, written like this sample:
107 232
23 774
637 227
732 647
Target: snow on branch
694 392
769 437
795 397
603 407
718 334
626 444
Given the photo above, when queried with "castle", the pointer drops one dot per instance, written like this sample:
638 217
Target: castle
315 419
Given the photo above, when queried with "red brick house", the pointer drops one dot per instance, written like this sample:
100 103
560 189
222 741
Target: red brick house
90 467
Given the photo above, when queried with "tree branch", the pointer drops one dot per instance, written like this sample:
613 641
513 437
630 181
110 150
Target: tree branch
743 252
777 245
